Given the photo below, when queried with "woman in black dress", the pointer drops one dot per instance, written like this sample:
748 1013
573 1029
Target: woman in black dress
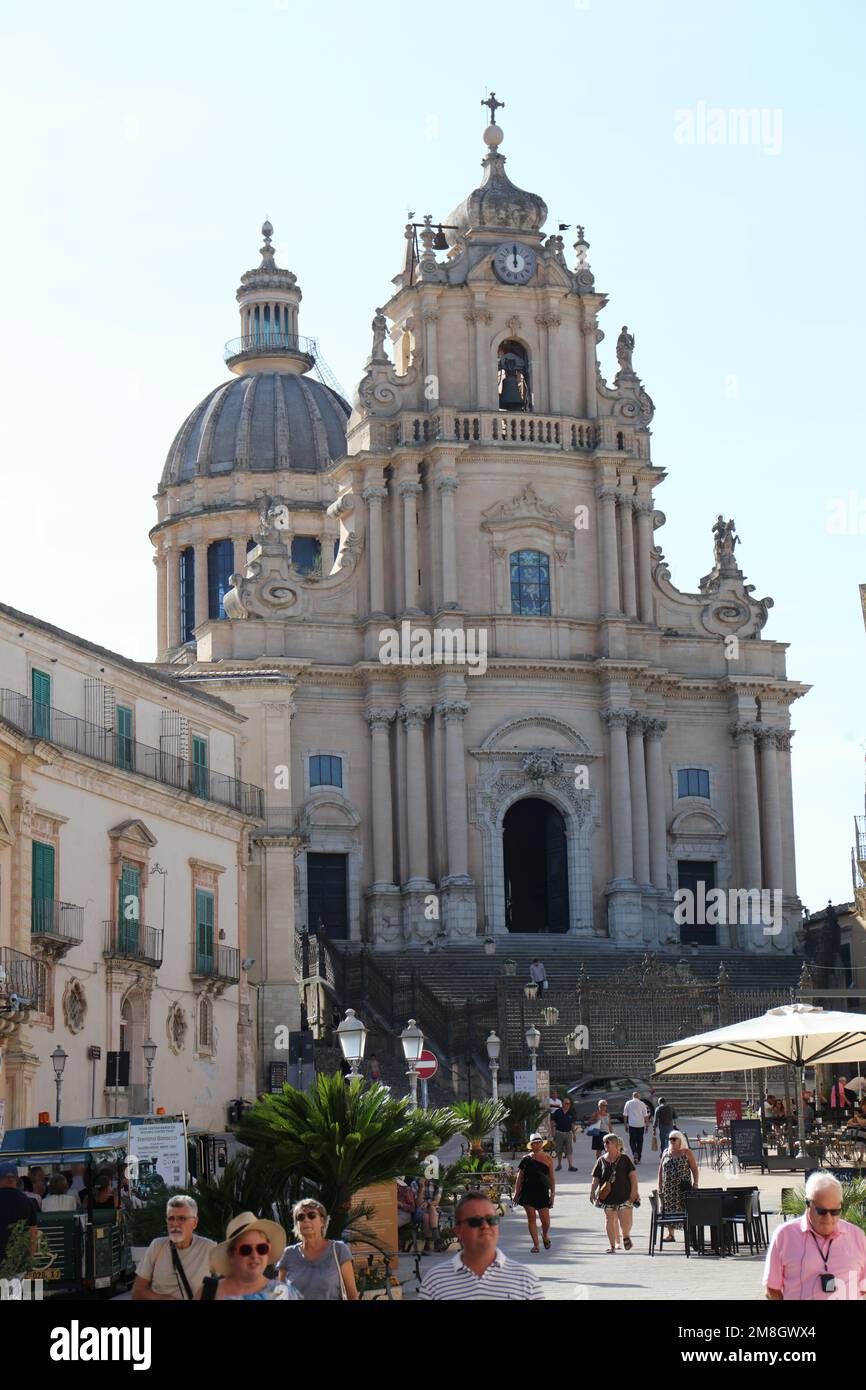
535 1189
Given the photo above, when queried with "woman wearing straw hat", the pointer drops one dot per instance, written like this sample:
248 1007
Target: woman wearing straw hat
535 1189
239 1263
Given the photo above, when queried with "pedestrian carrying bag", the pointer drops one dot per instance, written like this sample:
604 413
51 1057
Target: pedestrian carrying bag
655 1142
180 1272
606 1188
343 1293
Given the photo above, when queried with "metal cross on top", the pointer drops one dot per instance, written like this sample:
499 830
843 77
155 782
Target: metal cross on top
494 106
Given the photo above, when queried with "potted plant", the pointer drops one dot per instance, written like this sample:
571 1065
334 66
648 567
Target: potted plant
489 946
477 1119
377 1283
509 967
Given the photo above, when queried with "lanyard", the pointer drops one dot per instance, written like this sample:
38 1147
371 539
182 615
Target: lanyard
824 1258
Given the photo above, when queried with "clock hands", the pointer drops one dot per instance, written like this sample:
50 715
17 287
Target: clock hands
514 254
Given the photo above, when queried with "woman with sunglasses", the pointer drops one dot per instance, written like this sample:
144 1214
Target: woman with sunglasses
535 1189
239 1264
678 1174
320 1269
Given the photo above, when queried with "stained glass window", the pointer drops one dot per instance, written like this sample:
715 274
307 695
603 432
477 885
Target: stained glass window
530 583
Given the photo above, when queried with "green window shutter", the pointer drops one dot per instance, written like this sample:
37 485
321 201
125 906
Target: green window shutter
204 912
129 909
123 737
42 887
40 691
200 780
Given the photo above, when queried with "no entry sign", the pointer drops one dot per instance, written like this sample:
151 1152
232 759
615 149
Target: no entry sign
426 1066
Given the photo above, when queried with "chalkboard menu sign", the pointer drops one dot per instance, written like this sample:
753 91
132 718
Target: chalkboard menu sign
747 1144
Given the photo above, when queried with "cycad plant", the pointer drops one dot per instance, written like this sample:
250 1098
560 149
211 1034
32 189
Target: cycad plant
247 1183
477 1119
339 1138
525 1113
853 1202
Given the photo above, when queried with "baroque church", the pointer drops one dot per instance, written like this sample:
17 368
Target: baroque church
477 704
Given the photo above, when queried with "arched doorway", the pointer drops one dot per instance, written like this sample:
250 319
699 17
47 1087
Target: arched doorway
536 867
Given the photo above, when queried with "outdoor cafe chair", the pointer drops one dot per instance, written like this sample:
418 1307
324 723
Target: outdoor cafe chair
741 1206
706 1209
658 1224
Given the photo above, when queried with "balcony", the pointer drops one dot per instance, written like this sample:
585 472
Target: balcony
108 746
54 926
221 964
271 343
23 986
860 844
531 430
132 941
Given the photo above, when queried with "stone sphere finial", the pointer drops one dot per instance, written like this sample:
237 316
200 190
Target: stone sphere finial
493 136
267 229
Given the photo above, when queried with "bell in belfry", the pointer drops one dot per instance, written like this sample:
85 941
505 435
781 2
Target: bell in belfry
513 391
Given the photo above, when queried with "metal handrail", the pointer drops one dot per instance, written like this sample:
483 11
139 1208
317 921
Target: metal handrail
274 341
108 746
48 917
133 941
221 963
24 976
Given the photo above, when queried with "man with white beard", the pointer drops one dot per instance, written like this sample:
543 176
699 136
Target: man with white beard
175 1265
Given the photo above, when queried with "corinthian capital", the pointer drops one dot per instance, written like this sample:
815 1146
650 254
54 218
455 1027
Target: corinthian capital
617 718
374 494
655 728
453 711
637 724
447 484
409 489
415 716
379 719
744 731
605 493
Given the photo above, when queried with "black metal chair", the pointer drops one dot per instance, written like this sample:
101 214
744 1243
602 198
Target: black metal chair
741 1207
658 1224
706 1209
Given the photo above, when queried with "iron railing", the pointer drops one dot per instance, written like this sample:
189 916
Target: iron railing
219 963
132 941
860 833
108 746
23 976
265 342
60 921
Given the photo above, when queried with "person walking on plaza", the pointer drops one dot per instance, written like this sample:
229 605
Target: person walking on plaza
818 1257
599 1126
663 1122
678 1174
535 1189
174 1266
480 1270
320 1269
636 1116
614 1188
564 1121
538 974
239 1263
838 1099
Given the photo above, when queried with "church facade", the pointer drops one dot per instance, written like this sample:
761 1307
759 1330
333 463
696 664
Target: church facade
475 700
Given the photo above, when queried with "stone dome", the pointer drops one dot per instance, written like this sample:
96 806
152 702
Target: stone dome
497 202
260 423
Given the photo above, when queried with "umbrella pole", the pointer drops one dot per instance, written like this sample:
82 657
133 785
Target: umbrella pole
801 1114
788 1110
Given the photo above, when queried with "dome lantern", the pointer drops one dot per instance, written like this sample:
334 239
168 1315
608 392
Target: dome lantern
269 299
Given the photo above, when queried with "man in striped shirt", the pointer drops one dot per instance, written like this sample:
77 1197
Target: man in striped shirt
480 1271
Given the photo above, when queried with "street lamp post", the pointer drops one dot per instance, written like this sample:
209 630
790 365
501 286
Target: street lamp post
533 1042
353 1040
412 1040
493 1046
58 1061
148 1047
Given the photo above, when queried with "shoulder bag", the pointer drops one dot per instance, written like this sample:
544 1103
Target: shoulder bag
607 1187
179 1271
343 1293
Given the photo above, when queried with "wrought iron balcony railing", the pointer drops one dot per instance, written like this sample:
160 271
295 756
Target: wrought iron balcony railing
56 921
132 941
266 343
218 963
860 838
24 979
108 746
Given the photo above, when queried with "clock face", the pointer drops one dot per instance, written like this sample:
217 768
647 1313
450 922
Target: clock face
514 263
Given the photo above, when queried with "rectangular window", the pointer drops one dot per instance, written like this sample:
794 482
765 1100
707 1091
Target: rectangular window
129 910
123 737
307 554
42 887
40 692
326 770
530 583
187 593
200 778
691 874
327 903
204 915
693 781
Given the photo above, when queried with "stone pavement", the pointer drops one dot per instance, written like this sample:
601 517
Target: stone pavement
577 1267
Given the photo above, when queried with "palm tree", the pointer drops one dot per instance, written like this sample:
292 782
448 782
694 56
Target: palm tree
247 1183
478 1118
340 1138
853 1202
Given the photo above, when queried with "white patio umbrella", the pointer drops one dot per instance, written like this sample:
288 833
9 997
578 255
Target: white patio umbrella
794 1035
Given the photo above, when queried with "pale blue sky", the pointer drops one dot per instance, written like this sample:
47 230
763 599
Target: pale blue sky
144 144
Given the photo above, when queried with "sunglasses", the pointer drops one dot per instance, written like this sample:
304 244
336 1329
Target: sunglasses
476 1221
246 1250
826 1211
308 1216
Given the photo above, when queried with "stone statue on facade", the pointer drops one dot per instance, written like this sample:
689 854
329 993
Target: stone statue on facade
380 332
725 539
624 350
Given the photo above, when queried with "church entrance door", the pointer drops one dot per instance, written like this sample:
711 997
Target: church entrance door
327 899
536 867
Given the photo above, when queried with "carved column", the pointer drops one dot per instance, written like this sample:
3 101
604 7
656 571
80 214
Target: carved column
619 793
589 330
201 595
483 392
159 561
654 730
544 323
453 713
749 818
644 512
431 351
771 821
639 806
409 493
414 719
379 721
786 812
447 487
626 545
172 562
375 499
608 546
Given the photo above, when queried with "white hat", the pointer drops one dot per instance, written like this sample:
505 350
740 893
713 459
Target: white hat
220 1262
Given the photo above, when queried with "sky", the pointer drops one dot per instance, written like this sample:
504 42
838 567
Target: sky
145 144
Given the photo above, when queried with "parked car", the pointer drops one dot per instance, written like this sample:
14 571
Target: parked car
616 1090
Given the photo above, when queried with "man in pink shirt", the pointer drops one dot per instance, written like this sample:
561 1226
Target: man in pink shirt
818 1257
